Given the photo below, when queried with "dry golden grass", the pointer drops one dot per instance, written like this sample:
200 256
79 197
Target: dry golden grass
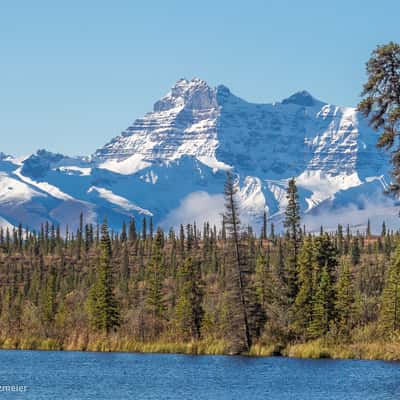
115 343
389 351
374 350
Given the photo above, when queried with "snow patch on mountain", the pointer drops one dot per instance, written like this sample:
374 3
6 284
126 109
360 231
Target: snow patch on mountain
118 200
324 185
129 166
44 186
214 164
4 224
13 191
251 196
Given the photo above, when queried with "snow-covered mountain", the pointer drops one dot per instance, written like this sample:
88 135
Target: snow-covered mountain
171 165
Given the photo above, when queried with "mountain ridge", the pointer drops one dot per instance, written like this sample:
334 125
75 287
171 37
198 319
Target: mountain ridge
184 147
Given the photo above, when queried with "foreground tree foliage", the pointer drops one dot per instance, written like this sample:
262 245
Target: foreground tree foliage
381 102
214 285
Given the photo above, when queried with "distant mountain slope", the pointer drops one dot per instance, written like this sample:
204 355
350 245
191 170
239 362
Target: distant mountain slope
171 165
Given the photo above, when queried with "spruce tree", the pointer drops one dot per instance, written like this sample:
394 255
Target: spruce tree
345 299
103 306
264 227
123 235
125 269
79 236
188 310
151 228
303 305
355 251
155 278
368 232
390 312
182 240
293 233
322 311
325 255
383 232
261 279
340 239
144 229
235 295
272 232
132 236
50 296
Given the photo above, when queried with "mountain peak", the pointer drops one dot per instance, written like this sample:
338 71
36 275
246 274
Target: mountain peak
3 156
194 94
302 98
186 84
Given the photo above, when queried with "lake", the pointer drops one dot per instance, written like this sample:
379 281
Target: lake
113 376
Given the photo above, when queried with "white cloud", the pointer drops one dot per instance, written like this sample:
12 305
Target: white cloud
197 207
357 218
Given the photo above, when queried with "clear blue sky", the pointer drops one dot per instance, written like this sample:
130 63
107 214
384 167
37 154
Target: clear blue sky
74 73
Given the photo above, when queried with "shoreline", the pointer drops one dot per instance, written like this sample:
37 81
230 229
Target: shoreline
318 349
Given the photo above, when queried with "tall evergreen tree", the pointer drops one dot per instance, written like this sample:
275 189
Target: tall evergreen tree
383 232
132 235
123 235
144 229
125 269
355 251
322 312
236 301
261 279
103 306
345 299
189 311
293 231
264 234
155 277
303 305
50 296
340 239
390 313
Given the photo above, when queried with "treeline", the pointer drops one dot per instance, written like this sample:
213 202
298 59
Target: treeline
211 284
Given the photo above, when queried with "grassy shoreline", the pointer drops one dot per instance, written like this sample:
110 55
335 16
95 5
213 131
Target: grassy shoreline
386 351
318 349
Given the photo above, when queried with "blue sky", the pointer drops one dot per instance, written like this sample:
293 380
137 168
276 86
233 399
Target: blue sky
73 74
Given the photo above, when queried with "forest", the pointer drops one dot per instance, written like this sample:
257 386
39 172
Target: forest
203 290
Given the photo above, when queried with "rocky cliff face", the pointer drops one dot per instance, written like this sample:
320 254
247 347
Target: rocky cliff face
183 123
171 164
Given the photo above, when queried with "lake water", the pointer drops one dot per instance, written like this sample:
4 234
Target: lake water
113 376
